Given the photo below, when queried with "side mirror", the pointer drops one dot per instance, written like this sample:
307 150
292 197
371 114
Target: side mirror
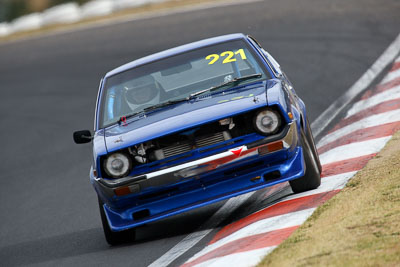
82 137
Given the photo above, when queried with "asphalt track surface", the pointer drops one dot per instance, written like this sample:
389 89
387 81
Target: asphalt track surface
49 213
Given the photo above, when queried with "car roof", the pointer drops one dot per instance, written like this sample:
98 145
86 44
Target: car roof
175 51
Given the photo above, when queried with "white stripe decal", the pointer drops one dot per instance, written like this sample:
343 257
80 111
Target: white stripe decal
374 120
354 150
259 227
192 239
374 100
241 259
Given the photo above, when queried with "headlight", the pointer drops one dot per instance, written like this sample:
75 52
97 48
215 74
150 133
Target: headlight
267 121
117 165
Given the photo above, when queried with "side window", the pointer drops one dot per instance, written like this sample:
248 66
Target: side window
97 104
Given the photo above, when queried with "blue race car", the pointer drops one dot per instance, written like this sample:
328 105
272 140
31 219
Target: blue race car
194 125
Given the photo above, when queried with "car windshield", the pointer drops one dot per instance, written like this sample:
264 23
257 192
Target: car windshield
176 78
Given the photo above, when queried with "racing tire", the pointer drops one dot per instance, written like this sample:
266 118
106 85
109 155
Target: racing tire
312 176
114 238
311 142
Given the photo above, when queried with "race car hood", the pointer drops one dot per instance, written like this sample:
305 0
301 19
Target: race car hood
185 115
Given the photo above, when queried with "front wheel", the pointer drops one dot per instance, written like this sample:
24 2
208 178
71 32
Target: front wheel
312 176
311 142
114 238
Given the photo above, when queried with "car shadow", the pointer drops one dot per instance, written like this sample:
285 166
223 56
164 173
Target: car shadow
92 240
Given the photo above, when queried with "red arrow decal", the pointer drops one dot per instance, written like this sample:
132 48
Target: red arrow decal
237 151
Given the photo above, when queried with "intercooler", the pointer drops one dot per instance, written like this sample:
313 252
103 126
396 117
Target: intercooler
183 147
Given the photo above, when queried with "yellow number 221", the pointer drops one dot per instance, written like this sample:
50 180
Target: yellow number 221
229 56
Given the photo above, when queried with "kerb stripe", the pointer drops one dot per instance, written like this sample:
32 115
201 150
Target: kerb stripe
380 88
344 166
268 239
275 210
378 109
387 129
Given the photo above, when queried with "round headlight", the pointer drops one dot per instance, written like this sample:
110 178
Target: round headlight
267 121
117 165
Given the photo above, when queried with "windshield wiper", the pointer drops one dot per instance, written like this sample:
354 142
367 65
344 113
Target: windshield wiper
235 81
191 96
164 104
160 105
125 117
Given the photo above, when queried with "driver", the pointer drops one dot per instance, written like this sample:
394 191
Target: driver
142 92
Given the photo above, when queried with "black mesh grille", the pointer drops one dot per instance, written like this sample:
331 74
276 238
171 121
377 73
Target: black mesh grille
183 147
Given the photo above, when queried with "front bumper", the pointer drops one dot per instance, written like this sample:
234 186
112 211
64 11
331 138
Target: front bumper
277 155
288 137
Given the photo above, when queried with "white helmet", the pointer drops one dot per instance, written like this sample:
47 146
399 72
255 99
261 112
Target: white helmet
143 91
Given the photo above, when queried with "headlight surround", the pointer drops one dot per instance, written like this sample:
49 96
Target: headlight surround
267 121
117 165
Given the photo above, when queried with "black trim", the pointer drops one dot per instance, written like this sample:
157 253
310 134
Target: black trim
271 138
125 181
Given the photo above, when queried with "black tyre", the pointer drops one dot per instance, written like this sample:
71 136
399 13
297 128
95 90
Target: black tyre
114 238
312 176
311 142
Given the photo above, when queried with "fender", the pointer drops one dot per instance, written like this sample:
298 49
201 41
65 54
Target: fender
276 96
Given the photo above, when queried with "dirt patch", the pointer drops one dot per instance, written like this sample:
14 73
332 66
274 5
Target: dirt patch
360 226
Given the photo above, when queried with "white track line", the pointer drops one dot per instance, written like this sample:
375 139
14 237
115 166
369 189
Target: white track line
241 259
192 239
336 107
259 227
374 120
354 150
361 105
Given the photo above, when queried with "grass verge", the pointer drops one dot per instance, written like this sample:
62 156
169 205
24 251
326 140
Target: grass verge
360 226
119 15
